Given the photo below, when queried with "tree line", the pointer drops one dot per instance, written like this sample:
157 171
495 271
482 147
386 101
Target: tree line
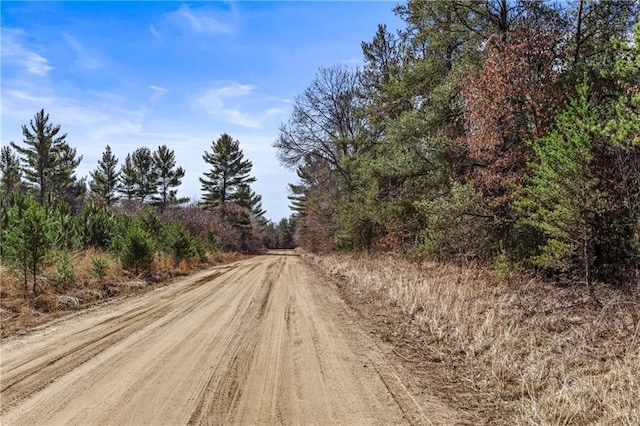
132 211
45 166
505 131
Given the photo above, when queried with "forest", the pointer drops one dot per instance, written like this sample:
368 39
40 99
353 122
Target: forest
500 132
503 132
474 191
127 218
471 192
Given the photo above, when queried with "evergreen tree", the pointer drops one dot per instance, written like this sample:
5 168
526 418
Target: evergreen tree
66 186
28 239
285 231
105 178
146 184
620 167
229 170
247 198
128 179
41 156
313 201
562 199
10 169
624 126
168 176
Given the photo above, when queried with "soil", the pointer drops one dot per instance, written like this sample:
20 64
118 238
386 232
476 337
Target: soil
260 341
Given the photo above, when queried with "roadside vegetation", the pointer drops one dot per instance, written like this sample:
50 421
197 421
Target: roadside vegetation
65 244
498 131
504 349
480 176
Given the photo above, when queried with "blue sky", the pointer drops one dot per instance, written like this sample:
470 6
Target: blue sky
132 74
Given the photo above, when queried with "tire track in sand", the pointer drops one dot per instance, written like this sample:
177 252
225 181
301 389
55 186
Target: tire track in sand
258 342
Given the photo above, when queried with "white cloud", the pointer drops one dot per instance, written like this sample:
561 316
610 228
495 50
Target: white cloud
73 42
24 96
214 100
239 104
157 92
282 100
36 64
115 129
14 52
85 59
234 116
271 112
231 89
201 21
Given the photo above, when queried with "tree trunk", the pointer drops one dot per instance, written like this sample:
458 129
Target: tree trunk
586 254
578 38
35 289
26 280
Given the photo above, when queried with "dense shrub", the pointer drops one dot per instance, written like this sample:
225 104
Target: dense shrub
454 224
65 273
137 248
150 222
96 226
178 242
99 268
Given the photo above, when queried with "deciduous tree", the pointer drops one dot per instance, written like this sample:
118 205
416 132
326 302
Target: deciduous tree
325 123
512 98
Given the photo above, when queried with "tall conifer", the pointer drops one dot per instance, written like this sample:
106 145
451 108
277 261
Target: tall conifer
229 171
105 178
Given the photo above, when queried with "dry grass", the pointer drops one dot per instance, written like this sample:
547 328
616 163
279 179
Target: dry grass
511 351
20 311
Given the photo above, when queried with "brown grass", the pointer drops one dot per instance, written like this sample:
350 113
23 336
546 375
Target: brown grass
508 351
20 311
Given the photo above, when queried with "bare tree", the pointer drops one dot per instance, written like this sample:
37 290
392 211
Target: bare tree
326 122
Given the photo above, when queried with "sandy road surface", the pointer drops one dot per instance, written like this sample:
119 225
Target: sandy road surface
255 342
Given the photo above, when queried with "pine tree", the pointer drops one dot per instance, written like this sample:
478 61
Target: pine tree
146 183
562 198
247 198
10 169
105 178
41 156
169 176
128 179
285 231
66 186
229 170
28 239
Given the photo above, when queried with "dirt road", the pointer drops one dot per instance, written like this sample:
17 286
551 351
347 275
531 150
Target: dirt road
261 341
